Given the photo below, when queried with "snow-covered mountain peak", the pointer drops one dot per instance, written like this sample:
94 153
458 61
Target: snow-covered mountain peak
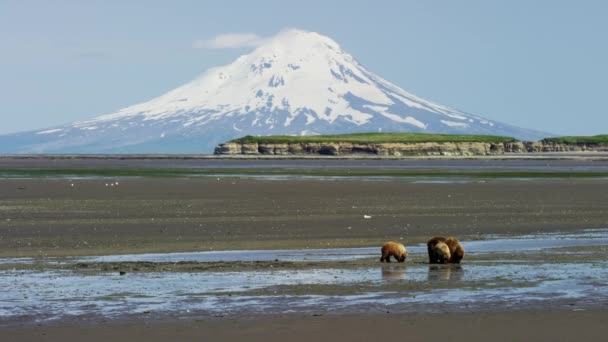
296 42
296 82
303 73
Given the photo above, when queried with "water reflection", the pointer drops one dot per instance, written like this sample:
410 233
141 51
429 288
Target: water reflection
391 273
453 272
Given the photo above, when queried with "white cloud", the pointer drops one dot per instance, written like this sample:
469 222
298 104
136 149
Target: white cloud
230 41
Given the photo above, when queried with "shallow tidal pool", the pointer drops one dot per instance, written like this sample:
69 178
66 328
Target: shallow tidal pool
497 273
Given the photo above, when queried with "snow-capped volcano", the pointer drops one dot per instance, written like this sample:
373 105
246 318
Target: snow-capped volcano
295 83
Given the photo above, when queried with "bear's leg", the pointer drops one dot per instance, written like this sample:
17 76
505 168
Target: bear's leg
432 257
385 256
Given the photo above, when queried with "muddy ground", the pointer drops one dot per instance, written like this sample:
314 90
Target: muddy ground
499 326
58 216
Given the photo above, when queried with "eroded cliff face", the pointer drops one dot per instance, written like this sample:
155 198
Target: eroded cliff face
547 146
402 149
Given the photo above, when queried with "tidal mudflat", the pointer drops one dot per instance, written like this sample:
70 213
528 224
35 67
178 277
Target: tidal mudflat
62 216
230 247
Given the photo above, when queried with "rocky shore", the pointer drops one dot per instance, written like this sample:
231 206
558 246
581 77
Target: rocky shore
404 149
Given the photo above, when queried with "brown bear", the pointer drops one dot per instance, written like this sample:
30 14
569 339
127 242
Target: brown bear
456 250
441 253
394 249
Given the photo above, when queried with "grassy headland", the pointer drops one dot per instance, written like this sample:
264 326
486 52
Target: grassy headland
364 138
595 139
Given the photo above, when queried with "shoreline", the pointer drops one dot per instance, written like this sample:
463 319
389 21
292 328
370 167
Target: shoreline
507 156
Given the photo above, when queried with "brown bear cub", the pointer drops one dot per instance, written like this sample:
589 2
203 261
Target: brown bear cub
456 250
394 249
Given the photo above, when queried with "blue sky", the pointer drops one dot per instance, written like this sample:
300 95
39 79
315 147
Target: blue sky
536 64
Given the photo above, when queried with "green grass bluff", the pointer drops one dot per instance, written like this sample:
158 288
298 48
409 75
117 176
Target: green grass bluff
366 138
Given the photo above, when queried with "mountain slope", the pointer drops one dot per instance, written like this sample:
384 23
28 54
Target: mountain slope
297 83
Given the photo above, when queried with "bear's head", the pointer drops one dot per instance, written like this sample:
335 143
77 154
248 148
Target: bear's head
458 254
402 256
442 253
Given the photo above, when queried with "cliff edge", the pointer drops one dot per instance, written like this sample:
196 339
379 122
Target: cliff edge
282 146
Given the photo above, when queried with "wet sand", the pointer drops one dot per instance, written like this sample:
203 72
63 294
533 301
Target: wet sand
510 326
42 217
